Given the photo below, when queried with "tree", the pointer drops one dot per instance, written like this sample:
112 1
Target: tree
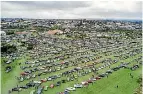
10 32
30 46
7 48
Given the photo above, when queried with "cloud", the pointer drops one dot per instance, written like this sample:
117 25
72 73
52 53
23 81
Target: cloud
44 5
73 9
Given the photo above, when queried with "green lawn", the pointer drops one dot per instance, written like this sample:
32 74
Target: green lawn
103 86
126 84
8 79
116 77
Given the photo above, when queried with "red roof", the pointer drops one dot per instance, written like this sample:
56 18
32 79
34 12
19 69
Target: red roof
21 33
52 32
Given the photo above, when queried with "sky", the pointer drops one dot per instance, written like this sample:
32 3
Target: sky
72 9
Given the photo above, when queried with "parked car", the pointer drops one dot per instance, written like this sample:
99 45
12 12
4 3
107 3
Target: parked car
58 83
15 89
49 79
8 62
63 81
33 75
109 71
38 82
43 80
32 92
71 88
39 91
115 69
45 88
135 67
78 85
8 69
97 78
66 92
52 86
24 87
30 84
93 79
84 83
60 93
89 81
102 75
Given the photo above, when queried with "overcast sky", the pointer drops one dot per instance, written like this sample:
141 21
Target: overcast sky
72 9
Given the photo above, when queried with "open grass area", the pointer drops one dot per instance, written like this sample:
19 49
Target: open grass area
103 86
126 84
8 79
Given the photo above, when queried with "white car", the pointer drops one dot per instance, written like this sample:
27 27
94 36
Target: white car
102 67
58 76
58 68
62 67
84 82
41 68
78 85
89 71
93 79
21 79
79 68
49 79
33 75
39 82
99 68
71 88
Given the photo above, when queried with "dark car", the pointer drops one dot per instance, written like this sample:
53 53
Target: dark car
66 92
39 74
134 67
63 81
8 69
90 81
54 77
58 83
24 87
108 71
15 89
102 75
39 91
30 84
8 62
115 69
124 66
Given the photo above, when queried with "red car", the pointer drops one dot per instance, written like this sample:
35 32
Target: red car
52 86
97 78
43 80
84 83
89 81
23 73
61 93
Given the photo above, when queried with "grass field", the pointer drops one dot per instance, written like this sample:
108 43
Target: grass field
126 84
8 79
108 85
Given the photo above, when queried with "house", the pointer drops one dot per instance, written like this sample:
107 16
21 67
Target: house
32 30
52 32
21 33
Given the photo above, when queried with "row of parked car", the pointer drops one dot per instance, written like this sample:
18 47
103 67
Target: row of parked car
38 83
93 79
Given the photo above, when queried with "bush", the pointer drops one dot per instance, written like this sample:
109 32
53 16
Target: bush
6 48
10 32
30 47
